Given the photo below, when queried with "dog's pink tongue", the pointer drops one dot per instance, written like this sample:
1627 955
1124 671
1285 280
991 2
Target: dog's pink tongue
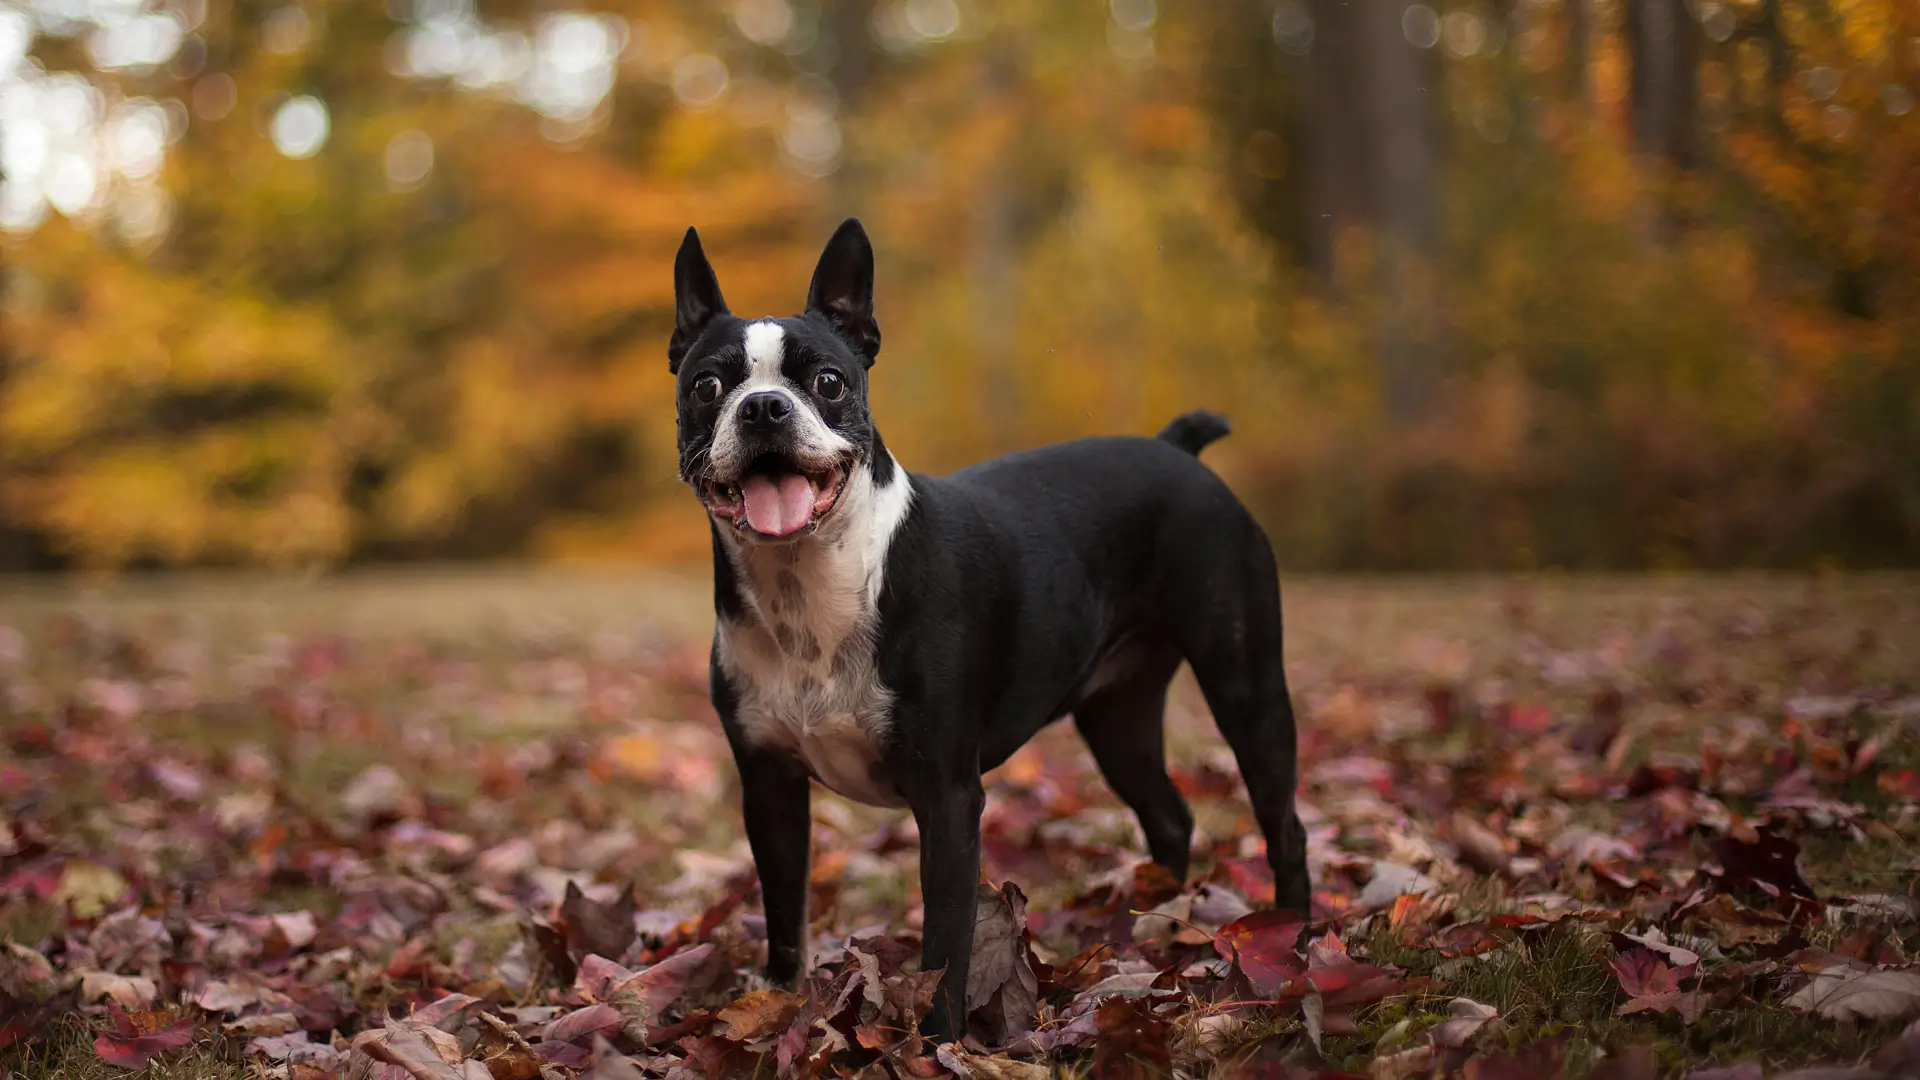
778 509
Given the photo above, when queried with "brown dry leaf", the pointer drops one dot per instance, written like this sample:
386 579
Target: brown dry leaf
1133 1042
1465 1019
425 1052
1844 993
1480 847
506 1059
982 1067
88 888
1901 1056
25 975
1405 1065
126 991
1002 988
1636 1062
599 929
759 1014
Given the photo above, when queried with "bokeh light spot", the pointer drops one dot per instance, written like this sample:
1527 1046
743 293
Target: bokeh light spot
16 37
1837 122
811 141
137 139
286 30
1135 15
300 127
699 80
932 20
1465 34
763 22
71 184
1421 26
214 96
408 160
1822 83
1293 28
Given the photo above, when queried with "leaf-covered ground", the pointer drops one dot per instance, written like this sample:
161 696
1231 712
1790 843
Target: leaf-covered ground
485 826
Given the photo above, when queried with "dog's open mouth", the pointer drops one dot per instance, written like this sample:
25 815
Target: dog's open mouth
774 498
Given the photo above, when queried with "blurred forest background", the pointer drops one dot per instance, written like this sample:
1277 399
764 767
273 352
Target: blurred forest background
1514 283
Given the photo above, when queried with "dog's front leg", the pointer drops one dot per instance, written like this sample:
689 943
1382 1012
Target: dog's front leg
775 799
776 802
947 809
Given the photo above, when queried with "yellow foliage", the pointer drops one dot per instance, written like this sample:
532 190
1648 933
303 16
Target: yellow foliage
314 364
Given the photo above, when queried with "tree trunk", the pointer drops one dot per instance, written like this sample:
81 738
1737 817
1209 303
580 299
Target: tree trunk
1664 42
846 23
1579 75
1371 115
1332 122
1779 64
1398 125
994 266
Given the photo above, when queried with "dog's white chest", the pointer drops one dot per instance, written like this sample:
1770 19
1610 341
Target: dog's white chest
801 661
823 703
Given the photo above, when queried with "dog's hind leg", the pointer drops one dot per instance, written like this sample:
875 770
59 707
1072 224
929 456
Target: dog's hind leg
1229 629
1123 724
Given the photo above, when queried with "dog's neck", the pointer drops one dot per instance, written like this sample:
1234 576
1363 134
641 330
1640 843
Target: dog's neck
825 585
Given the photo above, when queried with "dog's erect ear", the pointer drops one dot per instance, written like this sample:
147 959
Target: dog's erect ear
696 299
842 288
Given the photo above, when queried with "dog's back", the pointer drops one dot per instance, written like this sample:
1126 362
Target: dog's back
1109 549
1128 512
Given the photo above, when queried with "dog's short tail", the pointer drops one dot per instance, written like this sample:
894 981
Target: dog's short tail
1195 431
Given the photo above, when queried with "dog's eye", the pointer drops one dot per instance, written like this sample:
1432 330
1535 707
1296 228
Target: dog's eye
829 385
705 389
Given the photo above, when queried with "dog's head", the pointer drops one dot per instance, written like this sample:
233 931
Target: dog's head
773 413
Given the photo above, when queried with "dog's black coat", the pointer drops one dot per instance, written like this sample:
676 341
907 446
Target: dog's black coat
1071 579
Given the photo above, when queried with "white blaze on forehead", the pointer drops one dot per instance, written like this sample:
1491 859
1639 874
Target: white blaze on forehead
814 444
766 348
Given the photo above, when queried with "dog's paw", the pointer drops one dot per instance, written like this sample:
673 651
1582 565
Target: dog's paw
757 980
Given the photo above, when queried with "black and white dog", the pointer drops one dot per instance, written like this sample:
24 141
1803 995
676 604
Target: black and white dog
893 636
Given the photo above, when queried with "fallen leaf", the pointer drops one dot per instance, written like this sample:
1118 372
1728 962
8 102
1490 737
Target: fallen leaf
1264 943
1901 1057
1002 988
221 997
1653 942
88 889
1465 1019
1391 880
1844 993
378 792
1405 1065
25 975
759 1014
1640 972
126 991
1132 1043
425 1052
135 1039
1543 1060
506 1056
1637 1062
1768 867
582 1023
1746 1070
602 929
1480 847
1002 1068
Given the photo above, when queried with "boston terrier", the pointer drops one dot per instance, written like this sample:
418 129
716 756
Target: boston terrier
894 636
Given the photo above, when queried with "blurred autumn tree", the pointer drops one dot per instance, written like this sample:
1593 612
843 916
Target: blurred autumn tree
1598 283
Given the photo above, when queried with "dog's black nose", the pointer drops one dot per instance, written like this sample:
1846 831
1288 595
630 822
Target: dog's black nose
765 410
